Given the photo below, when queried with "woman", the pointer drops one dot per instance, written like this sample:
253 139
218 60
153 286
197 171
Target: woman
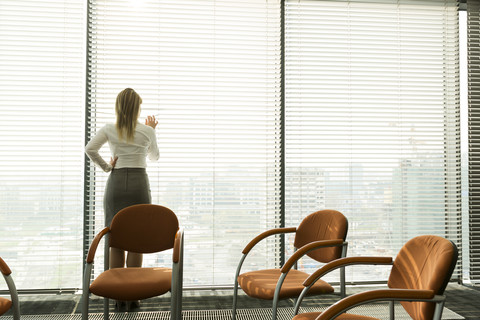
130 143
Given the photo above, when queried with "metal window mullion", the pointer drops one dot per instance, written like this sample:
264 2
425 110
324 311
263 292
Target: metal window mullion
282 131
473 38
89 174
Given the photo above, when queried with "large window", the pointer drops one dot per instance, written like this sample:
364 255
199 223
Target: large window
372 120
42 76
210 72
347 105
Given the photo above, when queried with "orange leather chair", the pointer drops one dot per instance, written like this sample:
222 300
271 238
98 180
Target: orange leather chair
143 228
418 278
321 236
6 304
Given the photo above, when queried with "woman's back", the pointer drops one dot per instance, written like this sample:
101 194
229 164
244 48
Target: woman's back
133 154
129 154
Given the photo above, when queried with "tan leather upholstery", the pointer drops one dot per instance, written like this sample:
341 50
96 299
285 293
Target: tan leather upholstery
321 235
307 248
4 268
265 234
94 245
5 305
374 295
261 284
322 228
420 271
322 225
127 284
133 234
424 262
346 262
176 248
143 228
12 303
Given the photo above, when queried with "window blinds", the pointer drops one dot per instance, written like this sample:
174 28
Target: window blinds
473 38
372 120
371 106
210 72
42 63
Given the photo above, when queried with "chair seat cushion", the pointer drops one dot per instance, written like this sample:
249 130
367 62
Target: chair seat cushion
261 284
5 305
127 284
345 316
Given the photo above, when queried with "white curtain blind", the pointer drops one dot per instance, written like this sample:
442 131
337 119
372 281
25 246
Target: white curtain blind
473 40
210 72
372 120
42 76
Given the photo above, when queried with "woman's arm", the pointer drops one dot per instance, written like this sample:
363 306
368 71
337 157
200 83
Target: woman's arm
92 151
153 153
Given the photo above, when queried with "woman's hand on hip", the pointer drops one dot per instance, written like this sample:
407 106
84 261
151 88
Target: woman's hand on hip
113 161
151 122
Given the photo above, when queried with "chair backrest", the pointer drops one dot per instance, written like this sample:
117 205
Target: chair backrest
425 262
143 228
322 225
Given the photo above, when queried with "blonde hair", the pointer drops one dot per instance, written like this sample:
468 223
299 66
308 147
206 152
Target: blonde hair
127 109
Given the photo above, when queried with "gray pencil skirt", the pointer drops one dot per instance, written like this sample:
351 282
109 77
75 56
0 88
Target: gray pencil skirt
125 187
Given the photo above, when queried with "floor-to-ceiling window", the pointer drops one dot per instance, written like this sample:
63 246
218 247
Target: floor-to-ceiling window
369 124
42 89
372 119
210 72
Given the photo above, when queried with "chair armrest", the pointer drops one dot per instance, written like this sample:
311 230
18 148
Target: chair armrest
7 275
307 248
94 245
375 295
265 234
342 262
177 246
4 268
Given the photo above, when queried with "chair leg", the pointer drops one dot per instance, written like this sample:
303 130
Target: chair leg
173 304
235 293
277 294
14 297
179 300
85 290
392 310
85 306
106 308
235 286
437 315
175 294
274 308
343 291
180 284
299 299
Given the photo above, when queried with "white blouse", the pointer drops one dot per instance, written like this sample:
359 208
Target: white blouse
130 154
